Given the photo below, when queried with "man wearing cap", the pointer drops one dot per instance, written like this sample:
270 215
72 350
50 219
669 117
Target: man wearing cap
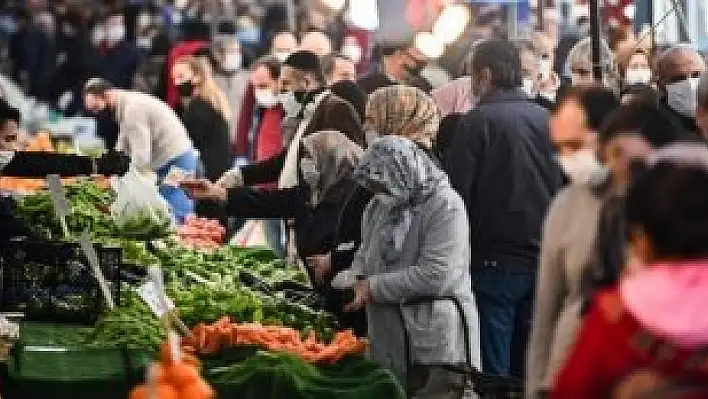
151 133
401 63
309 108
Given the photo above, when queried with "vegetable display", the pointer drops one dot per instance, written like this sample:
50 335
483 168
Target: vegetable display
200 233
225 334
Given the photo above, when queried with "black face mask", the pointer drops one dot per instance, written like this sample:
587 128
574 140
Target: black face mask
185 89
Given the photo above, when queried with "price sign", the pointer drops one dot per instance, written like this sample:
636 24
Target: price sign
61 203
90 252
155 299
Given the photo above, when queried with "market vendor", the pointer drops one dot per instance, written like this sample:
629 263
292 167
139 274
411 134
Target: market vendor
324 193
17 163
150 133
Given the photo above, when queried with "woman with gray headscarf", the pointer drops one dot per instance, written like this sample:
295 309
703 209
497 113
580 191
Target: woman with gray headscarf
415 243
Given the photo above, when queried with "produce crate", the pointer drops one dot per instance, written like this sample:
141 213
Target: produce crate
60 373
53 281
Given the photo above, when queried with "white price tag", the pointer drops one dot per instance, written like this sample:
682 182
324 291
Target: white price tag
155 299
90 252
61 204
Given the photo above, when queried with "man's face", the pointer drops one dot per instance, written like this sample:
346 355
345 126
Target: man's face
95 103
292 79
284 43
529 64
621 151
569 130
9 136
684 65
413 61
262 80
344 70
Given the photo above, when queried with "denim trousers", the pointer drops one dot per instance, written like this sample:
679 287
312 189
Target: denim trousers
504 289
181 205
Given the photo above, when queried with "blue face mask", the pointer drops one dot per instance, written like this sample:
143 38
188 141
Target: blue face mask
249 36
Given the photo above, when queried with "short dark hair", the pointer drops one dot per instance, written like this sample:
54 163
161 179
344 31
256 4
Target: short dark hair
8 113
98 86
502 59
271 63
329 62
597 102
353 94
647 119
306 61
676 221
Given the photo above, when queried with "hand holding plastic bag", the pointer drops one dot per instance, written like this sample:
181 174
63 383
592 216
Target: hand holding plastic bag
139 210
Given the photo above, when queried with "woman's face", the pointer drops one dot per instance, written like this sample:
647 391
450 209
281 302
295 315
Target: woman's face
638 61
621 151
181 73
581 73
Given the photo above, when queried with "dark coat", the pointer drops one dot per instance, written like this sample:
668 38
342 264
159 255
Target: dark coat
318 230
501 162
333 113
209 132
376 80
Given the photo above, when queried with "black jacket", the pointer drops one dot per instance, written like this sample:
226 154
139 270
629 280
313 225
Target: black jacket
688 124
333 113
502 164
318 230
209 132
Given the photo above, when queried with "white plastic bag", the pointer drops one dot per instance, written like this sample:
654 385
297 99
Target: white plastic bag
139 209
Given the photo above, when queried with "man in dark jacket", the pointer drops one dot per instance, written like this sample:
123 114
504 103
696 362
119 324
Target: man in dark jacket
401 63
309 108
678 71
501 162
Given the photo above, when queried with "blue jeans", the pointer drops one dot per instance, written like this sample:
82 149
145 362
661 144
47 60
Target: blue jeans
504 290
181 205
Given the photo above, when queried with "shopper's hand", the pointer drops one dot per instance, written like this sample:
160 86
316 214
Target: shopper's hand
321 266
204 190
113 163
232 178
362 296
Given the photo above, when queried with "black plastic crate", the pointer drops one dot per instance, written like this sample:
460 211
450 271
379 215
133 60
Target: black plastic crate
53 281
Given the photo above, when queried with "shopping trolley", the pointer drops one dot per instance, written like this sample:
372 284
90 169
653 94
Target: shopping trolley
485 386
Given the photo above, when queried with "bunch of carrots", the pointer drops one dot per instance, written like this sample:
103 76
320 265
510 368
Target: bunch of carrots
224 334
173 378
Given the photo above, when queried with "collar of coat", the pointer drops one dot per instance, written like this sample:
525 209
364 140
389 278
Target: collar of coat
503 96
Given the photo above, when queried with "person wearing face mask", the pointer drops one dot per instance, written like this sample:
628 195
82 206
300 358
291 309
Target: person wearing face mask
351 49
151 133
584 237
400 64
282 45
501 163
338 68
309 107
112 57
229 74
579 64
324 191
678 72
316 42
574 126
636 69
539 83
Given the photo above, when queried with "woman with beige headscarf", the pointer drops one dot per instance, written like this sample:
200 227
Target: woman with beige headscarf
402 111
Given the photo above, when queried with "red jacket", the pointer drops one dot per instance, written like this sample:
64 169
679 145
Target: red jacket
615 357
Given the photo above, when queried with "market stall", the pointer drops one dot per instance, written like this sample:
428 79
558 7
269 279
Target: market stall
91 306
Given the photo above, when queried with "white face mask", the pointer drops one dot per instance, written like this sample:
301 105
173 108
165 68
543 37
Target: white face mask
353 52
232 61
290 104
682 96
115 33
582 166
281 56
527 86
143 42
266 98
309 172
637 76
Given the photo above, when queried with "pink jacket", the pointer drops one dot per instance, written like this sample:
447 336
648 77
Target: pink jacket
455 97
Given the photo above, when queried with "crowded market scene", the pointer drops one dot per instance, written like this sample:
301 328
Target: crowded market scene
389 199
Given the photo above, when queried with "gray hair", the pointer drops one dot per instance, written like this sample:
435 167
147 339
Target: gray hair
582 52
665 63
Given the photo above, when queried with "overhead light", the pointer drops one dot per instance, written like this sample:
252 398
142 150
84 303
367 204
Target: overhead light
334 5
363 14
451 23
629 11
429 45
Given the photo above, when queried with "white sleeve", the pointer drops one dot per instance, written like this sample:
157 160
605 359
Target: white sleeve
135 135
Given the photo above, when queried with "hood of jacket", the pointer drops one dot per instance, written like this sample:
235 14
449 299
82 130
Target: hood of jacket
669 300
